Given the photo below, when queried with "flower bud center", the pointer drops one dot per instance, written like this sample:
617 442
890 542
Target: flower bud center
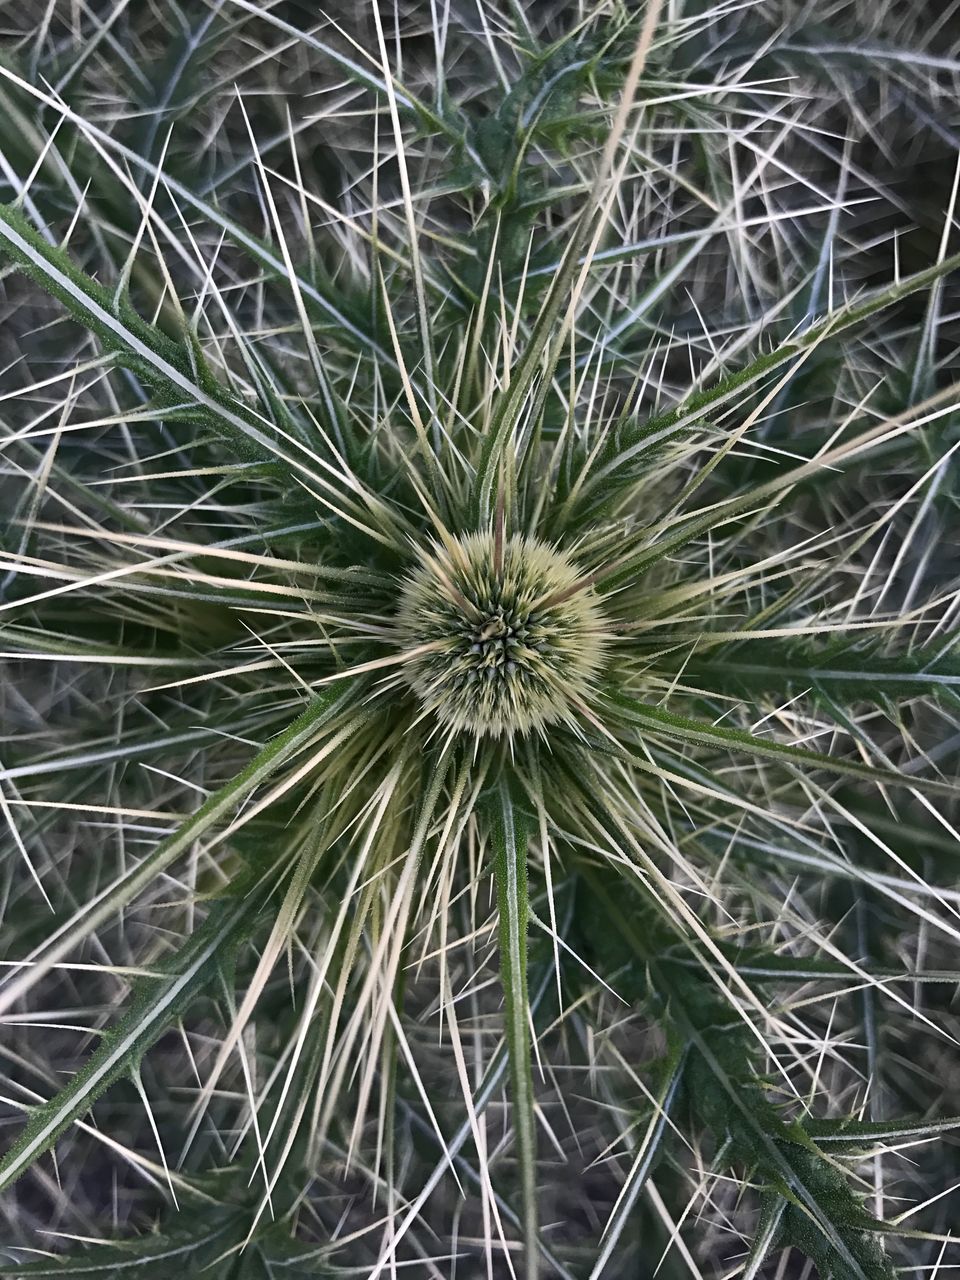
515 634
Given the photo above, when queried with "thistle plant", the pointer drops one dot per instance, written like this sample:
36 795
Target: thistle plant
479 615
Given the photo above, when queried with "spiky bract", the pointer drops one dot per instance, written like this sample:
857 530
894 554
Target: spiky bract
516 635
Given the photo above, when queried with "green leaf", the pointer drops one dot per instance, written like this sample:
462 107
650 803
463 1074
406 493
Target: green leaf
510 863
542 352
644 1160
772 666
764 1241
222 802
406 100
325 302
656 719
836 1229
855 1135
157 1256
633 437
157 1002
541 348
143 347
178 374
727 1094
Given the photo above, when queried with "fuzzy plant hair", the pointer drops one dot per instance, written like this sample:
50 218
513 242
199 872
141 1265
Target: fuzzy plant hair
479 612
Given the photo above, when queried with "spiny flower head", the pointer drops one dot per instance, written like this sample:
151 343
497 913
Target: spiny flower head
508 636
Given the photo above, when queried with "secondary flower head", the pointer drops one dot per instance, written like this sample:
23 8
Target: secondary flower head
515 636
